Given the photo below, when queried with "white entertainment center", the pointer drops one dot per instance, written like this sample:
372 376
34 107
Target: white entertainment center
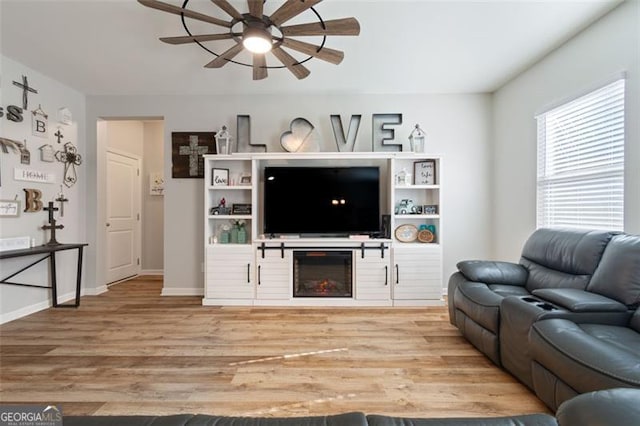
397 269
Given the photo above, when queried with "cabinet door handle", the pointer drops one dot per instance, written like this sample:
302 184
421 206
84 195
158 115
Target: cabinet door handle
386 275
259 269
397 274
248 272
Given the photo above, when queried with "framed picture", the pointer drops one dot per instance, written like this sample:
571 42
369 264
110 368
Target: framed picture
219 177
187 149
245 180
430 209
9 208
424 172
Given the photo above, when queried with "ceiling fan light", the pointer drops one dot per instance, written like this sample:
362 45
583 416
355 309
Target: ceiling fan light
256 40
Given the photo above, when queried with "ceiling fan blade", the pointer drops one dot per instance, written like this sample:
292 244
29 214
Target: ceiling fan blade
256 8
227 7
290 9
330 55
196 38
345 26
166 7
259 66
223 59
299 70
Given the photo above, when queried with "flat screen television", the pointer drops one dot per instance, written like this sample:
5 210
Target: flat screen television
322 201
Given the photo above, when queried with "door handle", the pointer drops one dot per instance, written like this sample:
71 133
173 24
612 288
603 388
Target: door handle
259 269
397 274
108 224
386 275
248 272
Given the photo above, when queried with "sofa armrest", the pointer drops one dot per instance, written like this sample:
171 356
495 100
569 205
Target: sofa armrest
491 272
576 300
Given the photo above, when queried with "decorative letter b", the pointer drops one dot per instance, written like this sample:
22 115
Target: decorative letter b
32 202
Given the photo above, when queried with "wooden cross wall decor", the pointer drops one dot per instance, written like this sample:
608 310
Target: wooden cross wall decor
52 224
25 91
187 149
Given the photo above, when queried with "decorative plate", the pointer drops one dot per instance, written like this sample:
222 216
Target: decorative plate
406 233
426 236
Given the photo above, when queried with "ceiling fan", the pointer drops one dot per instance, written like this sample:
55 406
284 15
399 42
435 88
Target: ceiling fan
260 34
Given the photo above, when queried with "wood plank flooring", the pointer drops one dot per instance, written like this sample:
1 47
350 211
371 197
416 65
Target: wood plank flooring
131 351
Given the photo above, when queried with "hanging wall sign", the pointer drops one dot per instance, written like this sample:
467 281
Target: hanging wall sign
156 183
25 155
64 116
47 153
39 122
33 175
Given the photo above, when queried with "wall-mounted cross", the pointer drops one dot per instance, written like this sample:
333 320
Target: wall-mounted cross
61 199
194 152
52 224
58 135
25 91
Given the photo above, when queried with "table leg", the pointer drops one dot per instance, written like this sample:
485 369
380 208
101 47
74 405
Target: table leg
78 276
54 280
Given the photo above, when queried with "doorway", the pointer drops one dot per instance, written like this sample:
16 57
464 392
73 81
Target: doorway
132 202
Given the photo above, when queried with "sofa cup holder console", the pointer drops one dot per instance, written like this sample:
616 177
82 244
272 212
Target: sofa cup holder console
539 303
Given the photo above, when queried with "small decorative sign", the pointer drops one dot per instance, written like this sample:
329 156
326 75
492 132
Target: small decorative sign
14 243
219 177
25 155
156 183
33 175
39 122
425 172
64 116
47 153
9 208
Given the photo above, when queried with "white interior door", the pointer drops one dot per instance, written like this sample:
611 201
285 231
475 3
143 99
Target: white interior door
123 217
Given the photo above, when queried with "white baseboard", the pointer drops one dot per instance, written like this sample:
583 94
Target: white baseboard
152 272
36 307
179 291
95 291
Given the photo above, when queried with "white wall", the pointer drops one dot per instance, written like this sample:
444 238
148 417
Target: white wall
19 301
457 126
152 205
606 48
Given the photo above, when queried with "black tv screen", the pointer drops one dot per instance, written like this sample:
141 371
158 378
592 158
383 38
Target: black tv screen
331 201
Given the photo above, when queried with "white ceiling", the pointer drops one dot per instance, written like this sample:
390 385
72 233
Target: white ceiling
111 47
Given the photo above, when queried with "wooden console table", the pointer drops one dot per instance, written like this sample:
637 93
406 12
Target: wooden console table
50 253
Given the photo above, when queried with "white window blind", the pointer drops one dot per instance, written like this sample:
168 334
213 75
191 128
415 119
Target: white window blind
581 161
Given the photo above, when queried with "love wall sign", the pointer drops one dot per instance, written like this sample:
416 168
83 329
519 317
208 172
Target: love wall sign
302 137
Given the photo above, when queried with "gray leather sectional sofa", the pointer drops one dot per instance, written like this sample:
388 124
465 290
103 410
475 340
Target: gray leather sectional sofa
616 407
565 320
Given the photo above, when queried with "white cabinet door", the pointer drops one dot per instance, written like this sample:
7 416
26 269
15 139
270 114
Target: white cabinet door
230 272
274 275
373 275
417 272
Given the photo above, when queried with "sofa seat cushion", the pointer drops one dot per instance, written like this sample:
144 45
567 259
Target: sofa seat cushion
479 303
587 356
526 420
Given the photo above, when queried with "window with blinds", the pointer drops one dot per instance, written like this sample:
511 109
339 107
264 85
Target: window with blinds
581 162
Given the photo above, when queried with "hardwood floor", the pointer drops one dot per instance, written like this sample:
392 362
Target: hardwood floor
131 351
